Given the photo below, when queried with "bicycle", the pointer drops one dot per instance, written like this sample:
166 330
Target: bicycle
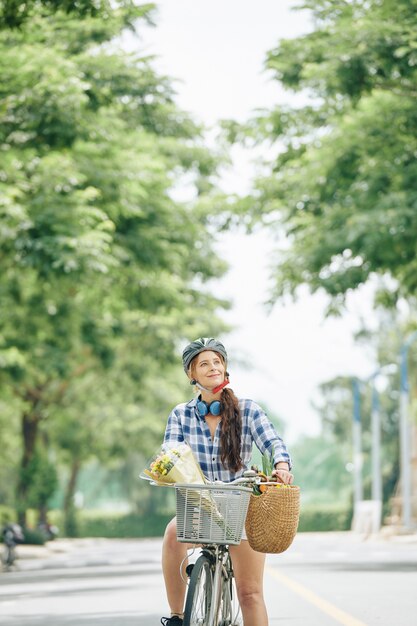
212 516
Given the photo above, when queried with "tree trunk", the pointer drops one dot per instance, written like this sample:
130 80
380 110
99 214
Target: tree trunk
72 483
70 522
30 427
43 515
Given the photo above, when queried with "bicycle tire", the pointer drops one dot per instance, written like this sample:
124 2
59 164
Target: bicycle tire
199 596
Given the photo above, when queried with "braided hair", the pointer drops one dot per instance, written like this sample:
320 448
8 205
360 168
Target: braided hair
230 427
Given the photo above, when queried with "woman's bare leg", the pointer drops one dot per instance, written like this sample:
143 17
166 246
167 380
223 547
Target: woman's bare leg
248 567
173 553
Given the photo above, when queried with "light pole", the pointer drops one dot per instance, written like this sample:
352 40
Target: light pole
405 434
357 444
376 444
377 495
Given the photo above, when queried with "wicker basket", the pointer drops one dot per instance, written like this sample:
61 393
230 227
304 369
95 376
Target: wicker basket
272 519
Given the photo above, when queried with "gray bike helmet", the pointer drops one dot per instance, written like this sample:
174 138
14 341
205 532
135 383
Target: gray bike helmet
199 345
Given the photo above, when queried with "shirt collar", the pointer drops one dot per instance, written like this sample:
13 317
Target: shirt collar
192 404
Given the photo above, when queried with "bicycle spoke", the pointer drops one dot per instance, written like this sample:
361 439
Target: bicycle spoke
199 594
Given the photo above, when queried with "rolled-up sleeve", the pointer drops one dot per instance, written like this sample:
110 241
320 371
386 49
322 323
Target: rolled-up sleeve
267 439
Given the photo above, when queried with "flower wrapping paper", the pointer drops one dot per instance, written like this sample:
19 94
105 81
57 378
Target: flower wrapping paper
174 463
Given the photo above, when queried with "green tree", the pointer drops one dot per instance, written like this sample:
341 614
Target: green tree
41 479
342 188
320 468
102 272
10 446
336 411
13 13
336 404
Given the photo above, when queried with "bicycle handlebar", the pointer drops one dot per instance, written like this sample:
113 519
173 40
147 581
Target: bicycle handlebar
249 477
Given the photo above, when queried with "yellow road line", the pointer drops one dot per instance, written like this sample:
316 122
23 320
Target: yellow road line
323 605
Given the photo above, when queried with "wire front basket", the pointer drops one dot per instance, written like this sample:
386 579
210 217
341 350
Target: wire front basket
211 513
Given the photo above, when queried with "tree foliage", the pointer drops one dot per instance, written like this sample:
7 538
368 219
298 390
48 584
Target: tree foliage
14 13
103 272
380 391
342 188
320 469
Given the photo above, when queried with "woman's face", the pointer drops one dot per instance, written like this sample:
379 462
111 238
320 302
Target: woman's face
208 369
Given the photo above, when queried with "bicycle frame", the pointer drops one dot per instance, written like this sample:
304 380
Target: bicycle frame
220 574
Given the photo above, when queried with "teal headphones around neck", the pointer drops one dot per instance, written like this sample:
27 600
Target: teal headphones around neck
204 408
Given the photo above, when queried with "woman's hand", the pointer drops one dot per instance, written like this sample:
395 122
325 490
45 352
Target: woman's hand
283 475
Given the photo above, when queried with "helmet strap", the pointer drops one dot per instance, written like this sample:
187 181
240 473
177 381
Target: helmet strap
216 389
201 387
219 387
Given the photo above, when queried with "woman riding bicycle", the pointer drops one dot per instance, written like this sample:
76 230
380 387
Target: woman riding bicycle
221 430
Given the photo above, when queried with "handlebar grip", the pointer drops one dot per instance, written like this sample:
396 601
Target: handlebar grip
249 474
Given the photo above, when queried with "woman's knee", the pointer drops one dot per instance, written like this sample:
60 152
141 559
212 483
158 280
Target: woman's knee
250 595
249 568
170 535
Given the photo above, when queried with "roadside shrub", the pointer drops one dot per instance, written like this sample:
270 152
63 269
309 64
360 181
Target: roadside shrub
325 518
33 537
313 518
121 526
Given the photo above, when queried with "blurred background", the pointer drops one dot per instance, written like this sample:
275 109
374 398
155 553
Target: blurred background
182 169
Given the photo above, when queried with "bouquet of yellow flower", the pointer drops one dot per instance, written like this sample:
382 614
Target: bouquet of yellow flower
174 463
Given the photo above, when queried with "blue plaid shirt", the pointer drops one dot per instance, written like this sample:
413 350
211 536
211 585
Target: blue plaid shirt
185 424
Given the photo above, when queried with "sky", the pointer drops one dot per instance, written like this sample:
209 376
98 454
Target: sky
215 49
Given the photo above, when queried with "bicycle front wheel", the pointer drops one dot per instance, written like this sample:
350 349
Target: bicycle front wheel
199 596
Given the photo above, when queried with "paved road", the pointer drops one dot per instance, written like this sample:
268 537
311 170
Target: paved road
322 580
